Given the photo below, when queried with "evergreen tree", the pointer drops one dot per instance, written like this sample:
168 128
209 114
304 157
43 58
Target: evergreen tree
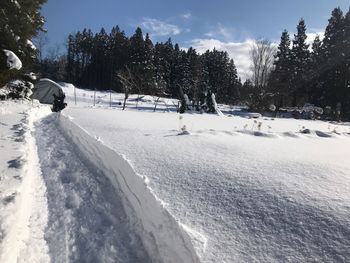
148 79
175 72
119 54
163 56
332 71
316 89
20 21
232 84
300 56
280 78
141 61
70 58
194 74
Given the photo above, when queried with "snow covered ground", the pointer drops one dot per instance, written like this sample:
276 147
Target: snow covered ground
243 193
98 184
23 209
61 203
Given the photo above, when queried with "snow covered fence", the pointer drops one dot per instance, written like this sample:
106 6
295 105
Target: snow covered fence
161 235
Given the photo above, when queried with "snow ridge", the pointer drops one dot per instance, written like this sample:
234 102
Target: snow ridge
164 239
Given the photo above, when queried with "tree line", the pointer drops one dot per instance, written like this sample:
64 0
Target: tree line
113 61
290 75
318 74
287 75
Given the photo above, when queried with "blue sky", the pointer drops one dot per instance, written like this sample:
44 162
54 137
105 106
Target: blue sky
227 25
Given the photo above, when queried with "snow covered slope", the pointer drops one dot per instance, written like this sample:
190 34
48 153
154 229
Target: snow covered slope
243 193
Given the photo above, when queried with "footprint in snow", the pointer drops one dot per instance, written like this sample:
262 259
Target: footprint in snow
15 163
9 199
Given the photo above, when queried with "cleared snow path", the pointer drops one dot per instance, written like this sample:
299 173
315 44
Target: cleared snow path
87 222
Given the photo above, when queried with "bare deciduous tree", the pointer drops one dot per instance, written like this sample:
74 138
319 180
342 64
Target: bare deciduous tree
262 57
40 42
127 78
53 53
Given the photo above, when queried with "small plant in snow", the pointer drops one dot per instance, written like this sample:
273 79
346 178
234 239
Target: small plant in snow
245 126
335 130
259 126
254 123
269 128
180 122
184 130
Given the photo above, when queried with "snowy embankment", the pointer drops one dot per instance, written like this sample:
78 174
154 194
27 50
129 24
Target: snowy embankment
161 235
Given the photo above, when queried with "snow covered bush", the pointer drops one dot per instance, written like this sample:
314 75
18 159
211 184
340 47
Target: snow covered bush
17 89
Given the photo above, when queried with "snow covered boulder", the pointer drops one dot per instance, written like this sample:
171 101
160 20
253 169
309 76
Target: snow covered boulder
12 62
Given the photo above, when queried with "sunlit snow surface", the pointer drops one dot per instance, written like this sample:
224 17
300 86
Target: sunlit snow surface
242 194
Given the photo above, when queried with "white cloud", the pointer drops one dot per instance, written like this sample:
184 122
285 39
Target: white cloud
186 16
238 51
221 32
160 28
311 37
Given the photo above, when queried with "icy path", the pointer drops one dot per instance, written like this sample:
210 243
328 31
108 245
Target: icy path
87 222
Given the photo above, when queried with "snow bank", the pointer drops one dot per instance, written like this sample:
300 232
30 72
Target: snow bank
13 62
161 235
24 220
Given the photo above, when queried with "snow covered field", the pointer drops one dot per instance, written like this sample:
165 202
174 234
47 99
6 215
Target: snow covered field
98 184
277 194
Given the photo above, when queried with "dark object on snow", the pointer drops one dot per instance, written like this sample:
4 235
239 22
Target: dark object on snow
58 103
305 131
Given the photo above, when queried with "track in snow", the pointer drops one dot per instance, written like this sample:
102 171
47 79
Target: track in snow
87 222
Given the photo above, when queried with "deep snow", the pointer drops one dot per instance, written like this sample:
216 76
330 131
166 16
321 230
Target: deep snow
67 197
98 184
280 193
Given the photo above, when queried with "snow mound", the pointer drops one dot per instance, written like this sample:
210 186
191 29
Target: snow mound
290 134
258 133
317 133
